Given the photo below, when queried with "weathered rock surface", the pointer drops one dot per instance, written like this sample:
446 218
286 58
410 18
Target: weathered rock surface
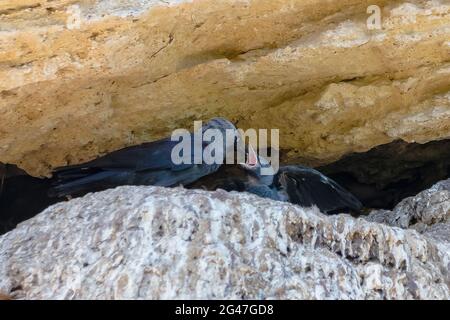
79 78
150 243
428 213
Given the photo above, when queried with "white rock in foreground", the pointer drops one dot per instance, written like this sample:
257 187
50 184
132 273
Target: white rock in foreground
154 243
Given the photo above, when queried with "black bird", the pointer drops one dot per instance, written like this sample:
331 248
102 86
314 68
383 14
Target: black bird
145 164
294 183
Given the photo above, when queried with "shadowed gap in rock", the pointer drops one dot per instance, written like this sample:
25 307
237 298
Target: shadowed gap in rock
379 178
387 174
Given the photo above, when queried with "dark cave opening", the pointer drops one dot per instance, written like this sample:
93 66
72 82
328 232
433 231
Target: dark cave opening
383 176
379 178
21 197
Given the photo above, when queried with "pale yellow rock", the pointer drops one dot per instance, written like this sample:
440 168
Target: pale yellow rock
81 78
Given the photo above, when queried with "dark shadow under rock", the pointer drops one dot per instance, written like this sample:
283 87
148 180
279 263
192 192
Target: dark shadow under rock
21 196
387 174
380 178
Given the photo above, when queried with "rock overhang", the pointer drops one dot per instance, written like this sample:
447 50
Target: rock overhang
135 70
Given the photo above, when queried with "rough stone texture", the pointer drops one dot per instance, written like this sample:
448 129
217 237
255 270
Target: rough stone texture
150 242
428 213
134 70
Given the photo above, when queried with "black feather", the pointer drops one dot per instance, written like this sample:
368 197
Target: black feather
146 164
308 187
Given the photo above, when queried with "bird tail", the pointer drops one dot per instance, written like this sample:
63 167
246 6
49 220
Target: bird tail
74 184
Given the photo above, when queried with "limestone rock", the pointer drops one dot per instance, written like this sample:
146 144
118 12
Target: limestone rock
153 243
428 213
79 78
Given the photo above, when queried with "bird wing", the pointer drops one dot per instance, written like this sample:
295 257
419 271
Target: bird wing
307 187
147 156
145 164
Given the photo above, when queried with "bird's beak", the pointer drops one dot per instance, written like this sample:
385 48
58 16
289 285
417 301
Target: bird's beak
252 158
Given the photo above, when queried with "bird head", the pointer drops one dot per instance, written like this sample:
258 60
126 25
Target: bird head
218 123
227 128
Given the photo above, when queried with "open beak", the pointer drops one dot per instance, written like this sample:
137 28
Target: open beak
251 158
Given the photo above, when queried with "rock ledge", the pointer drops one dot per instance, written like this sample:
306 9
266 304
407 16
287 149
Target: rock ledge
157 243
